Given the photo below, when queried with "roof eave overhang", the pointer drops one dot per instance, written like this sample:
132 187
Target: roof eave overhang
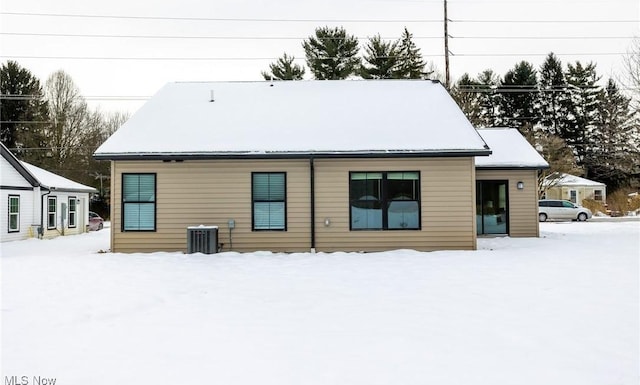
291 155
69 190
511 168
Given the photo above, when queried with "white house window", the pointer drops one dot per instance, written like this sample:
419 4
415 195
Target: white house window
138 202
384 200
597 195
269 200
72 212
52 208
14 213
573 196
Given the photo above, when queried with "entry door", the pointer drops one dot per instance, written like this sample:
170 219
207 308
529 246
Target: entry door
573 196
492 207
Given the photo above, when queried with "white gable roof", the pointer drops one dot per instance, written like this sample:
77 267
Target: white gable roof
53 181
297 117
572 180
509 150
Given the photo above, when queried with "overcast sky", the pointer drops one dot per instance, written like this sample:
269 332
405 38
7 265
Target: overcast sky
219 40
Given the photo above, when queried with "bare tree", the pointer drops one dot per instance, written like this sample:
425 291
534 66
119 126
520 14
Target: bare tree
560 158
631 77
69 115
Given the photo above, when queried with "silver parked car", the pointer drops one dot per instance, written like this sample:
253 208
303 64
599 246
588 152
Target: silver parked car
560 209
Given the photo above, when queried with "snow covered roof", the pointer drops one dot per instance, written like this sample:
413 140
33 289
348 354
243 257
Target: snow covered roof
50 180
572 180
18 166
293 118
509 150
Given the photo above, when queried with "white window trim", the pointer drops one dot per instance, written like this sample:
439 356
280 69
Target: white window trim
75 212
55 213
17 229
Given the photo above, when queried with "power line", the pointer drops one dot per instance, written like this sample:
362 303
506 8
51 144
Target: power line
540 37
222 58
154 58
35 34
231 19
89 97
301 20
191 36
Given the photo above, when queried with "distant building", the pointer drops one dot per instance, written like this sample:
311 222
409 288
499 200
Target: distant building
574 188
37 203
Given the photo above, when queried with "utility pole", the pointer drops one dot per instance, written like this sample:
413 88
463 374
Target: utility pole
447 80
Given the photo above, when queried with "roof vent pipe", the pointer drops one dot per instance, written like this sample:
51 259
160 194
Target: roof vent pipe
212 99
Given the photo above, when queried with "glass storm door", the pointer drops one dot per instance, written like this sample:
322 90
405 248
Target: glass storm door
492 207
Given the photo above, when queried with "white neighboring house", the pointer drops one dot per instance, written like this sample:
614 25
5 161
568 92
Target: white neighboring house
574 188
37 203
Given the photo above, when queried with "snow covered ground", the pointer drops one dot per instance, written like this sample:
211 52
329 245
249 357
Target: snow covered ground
561 309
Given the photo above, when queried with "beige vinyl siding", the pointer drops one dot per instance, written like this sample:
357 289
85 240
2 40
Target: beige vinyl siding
523 204
212 192
447 192
192 193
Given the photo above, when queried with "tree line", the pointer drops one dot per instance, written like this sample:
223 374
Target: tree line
52 127
332 54
580 126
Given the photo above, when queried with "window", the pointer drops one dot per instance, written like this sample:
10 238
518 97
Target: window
14 213
384 200
52 206
138 202
597 195
269 201
573 194
72 212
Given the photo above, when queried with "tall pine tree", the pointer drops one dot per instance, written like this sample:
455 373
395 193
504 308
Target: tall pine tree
583 113
615 149
331 53
466 93
518 98
23 111
488 99
381 59
284 69
553 96
411 63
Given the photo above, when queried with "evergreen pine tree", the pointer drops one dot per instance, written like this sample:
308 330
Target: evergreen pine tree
466 92
553 96
284 69
615 147
488 99
381 59
411 64
24 111
518 98
331 53
583 113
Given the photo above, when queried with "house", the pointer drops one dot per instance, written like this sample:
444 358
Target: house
507 185
574 188
299 166
38 203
